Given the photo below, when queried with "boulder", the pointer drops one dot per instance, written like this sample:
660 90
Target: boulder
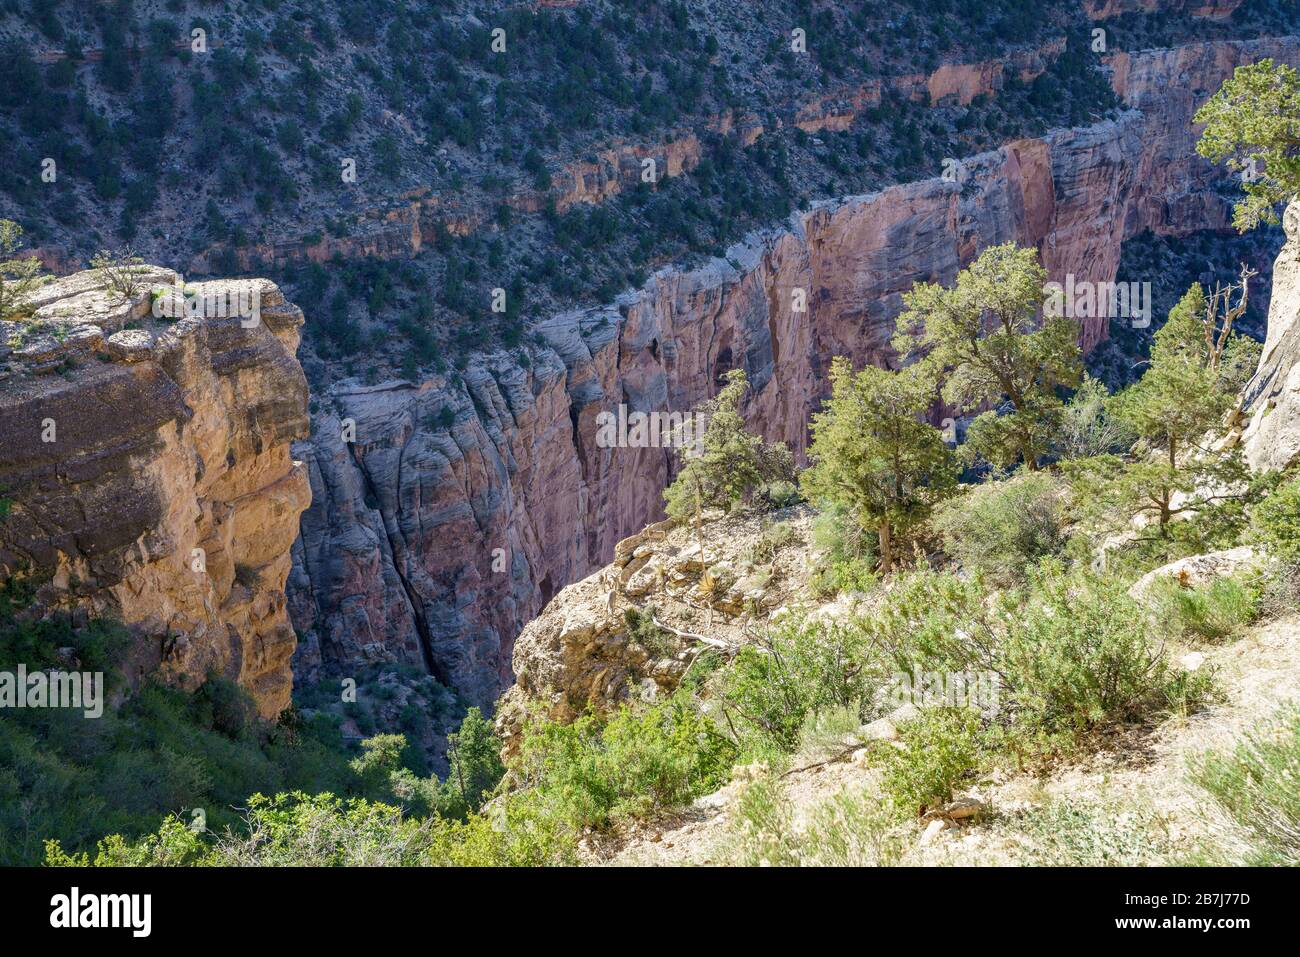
1197 570
129 345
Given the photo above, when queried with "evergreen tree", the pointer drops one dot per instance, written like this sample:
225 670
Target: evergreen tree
474 753
725 465
983 337
18 275
1253 123
873 451
1176 405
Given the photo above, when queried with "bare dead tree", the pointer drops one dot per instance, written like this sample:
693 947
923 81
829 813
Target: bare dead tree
1221 312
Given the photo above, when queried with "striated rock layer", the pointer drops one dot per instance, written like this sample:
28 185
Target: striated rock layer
431 545
148 468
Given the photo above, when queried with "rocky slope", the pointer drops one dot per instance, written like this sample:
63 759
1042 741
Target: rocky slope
148 470
431 544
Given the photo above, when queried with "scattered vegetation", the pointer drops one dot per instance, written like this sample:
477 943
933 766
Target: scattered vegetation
1255 785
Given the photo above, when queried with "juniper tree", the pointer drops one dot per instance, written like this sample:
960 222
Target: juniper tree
1253 124
984 338
18 274
873 451
726 464
1172 410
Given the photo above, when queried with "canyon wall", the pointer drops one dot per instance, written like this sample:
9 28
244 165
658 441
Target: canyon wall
398 227
431 545
147 471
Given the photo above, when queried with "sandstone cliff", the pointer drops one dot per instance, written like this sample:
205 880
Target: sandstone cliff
1272 398
432 545
149 471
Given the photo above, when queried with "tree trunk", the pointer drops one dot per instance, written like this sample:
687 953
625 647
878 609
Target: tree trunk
886 548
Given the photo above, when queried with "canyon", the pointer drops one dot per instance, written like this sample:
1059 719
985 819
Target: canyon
430 545
422 524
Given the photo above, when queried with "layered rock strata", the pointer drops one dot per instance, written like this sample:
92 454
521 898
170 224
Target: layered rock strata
432 544
148 473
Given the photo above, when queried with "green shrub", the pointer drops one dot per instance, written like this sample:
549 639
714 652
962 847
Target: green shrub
1212 612
799 668
851 829
1256 785
300 830
941 747
1070 649
1002 528
772 540
641 629
779 494
595 772
935 621
1075 656
1075 833
1276 522
846 552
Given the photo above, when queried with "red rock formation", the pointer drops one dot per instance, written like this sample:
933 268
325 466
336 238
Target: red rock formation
434 545
1175 187
1209 9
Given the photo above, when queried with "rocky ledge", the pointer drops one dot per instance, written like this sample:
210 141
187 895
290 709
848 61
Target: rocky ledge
147 471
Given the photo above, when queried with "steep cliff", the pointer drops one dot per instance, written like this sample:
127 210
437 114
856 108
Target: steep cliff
1272 398
148 468
431 544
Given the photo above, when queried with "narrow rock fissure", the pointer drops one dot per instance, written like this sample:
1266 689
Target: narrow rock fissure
412 598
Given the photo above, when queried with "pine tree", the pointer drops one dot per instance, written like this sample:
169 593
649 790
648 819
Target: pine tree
873 451
983 337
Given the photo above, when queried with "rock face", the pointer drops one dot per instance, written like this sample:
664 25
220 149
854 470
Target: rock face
152 480
432 544
1272 398
581 651
1174 188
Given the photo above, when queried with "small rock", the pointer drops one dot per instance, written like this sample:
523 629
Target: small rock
129 345
1191 662
881 729
932 832
907 712
961 808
